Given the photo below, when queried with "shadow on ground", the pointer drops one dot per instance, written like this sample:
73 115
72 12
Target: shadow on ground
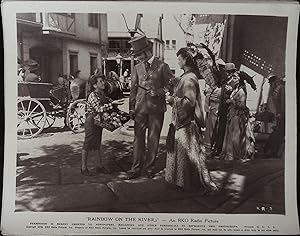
117 157
50 182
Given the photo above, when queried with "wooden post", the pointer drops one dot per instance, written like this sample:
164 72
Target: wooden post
228 38
104 65
132 33
45 20
22 46
131 64
121 67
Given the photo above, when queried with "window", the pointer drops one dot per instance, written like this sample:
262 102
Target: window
173 44
167 44
114 44
93 63
93 20
73 62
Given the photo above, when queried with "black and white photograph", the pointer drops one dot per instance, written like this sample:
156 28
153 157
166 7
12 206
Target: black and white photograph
149 112
180 113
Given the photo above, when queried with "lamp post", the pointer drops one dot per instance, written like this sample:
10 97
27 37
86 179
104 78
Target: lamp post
119 59
132 33
132 30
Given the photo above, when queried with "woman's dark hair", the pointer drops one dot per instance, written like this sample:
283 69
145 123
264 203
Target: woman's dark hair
93 80
190 61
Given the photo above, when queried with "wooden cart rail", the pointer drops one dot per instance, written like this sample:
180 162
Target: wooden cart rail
40 91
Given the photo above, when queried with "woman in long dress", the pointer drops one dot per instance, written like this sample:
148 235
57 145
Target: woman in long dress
185 165
239 140
211 117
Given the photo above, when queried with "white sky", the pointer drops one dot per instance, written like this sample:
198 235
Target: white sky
149 22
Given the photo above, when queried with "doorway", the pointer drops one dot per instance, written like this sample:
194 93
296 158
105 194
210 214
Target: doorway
50 61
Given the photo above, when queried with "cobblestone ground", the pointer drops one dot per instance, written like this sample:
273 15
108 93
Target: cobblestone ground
49 179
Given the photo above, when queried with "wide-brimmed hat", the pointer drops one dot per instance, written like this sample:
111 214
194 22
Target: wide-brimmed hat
31 63
229 66
140 44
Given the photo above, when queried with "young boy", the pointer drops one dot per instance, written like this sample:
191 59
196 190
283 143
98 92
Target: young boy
97 103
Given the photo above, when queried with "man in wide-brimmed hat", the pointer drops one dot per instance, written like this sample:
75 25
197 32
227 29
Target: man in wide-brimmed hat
147 105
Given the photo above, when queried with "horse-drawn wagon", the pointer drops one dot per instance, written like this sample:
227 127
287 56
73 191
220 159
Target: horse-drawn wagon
39 105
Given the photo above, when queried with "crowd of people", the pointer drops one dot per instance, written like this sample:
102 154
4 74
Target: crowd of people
223 130
75 84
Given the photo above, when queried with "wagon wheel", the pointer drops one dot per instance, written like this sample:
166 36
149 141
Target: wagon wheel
50 120
76 116
31 118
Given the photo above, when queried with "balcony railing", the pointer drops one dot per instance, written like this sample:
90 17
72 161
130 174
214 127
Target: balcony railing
59 22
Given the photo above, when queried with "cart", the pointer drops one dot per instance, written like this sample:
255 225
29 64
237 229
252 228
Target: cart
39 105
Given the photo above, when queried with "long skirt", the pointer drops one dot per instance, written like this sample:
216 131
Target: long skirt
221 129
185 166
234 145
210 122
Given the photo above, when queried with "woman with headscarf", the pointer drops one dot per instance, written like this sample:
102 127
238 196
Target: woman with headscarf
211 107
213 75
186 164
238 140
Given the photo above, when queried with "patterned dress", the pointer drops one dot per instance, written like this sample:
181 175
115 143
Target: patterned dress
185 165
211 117
237 141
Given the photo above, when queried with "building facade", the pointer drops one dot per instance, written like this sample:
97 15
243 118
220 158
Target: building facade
174 39
257 45
62 43
258 42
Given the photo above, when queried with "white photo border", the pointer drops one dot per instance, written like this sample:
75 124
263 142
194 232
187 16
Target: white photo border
14 222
